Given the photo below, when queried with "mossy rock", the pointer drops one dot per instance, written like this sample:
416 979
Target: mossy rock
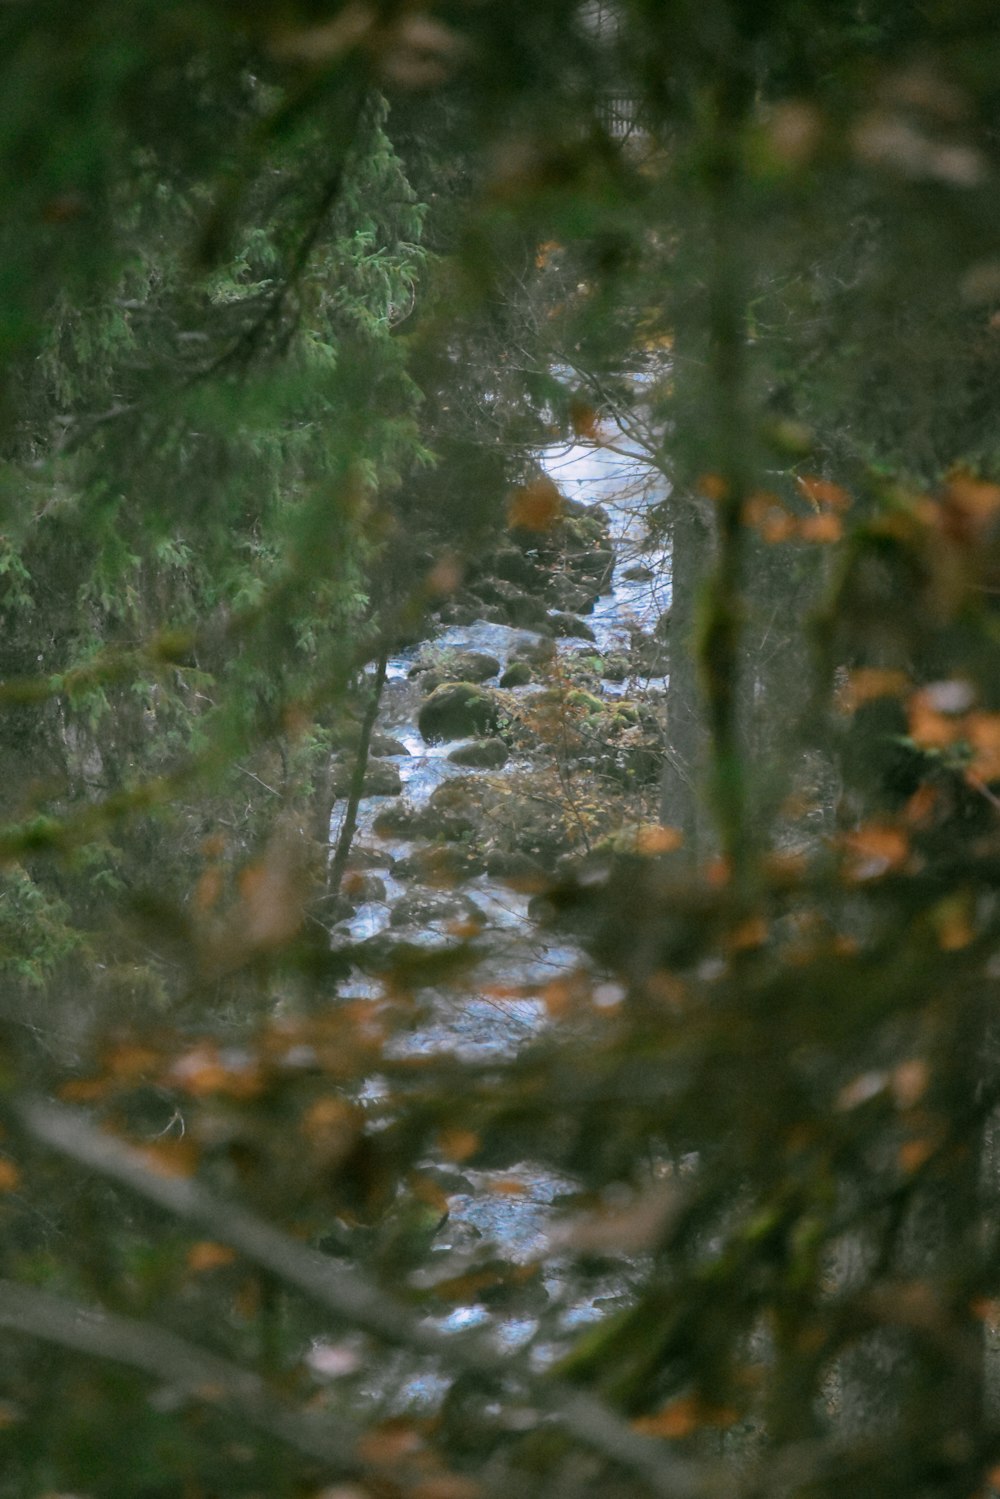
569 626
616 667
576 698
458 710
518 674
482 754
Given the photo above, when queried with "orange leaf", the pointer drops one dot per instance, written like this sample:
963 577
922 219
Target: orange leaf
909 1082
868 683
458 1144
913 1154
10 1176
713 486
445 1486
874 849
583 419
207 1255
983 733
747 935
821 528
656 838
171 1157
508 1186
975 499
767 514
823 492
929 727
389 1443
557 997
535 506
682 1417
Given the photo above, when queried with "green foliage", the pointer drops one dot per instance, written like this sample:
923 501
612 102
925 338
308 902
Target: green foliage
254 1178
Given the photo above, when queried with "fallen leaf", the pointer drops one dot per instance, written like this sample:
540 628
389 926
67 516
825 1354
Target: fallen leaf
535 506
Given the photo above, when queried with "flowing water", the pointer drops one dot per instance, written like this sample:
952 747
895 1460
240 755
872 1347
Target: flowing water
519 954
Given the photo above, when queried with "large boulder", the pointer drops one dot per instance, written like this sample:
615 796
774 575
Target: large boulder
456 666
422 908
459 710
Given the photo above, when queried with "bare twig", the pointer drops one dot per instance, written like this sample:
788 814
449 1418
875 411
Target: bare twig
175 1362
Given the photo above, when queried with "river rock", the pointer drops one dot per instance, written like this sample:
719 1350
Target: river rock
569 594
649 656
482 754
456 666
397 820
518 674
640 573
513 566
418 908
363 887
517 869
381 778
458 710
536 652
568 625
516 607
347 737
446 864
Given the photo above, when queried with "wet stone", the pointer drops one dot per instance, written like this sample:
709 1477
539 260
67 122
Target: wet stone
419 908
457 666
458 710
569 626
381 779
484 754
440 864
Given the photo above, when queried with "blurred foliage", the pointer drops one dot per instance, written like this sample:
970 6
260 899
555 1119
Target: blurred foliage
291 296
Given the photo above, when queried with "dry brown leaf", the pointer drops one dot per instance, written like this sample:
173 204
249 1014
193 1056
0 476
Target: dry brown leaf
458 1144
983 733
657 838
713 486
390 1443
10 1176
822 492
874 849
583 419
914 1153
208 1255
171 1157
824 528
684 1416
535 506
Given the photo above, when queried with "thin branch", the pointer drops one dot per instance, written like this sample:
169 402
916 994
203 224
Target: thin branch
182 1365
358 1301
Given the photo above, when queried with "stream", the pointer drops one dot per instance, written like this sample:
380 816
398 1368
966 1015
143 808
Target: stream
520 955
